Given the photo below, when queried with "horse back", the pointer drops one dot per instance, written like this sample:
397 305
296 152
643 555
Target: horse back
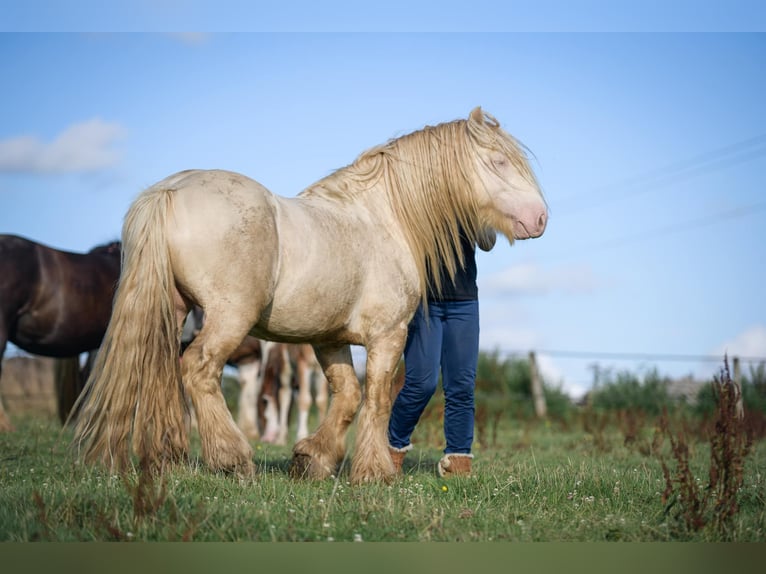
222 239
59 302
86 286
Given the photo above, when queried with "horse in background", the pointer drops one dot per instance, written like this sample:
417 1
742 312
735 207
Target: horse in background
70 375
288 370
56 304
343 263
269 374
309 376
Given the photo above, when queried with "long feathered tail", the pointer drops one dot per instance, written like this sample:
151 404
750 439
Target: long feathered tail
134 393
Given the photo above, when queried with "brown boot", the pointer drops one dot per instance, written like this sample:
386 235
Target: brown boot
455 464
397 455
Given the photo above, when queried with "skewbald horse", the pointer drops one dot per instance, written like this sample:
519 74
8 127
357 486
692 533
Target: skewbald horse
343 263
287 368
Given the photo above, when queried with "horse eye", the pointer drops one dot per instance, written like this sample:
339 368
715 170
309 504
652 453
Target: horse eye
498 161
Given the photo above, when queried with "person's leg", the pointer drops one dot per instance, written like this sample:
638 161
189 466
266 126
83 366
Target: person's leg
460 354
422 354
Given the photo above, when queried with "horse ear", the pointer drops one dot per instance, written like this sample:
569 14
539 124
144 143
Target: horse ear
477 115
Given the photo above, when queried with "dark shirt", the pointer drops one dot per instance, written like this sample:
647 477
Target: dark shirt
463 286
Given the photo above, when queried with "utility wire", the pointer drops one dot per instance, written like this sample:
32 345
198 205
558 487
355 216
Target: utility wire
720 158
659 357
659 232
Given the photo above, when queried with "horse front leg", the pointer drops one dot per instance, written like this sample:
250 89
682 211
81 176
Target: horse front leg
248 375
285 396
304 397
318 455
372 460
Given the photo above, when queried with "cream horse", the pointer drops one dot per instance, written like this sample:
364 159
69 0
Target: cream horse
343 263
267 373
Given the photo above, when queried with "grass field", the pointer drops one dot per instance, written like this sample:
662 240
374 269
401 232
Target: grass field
535 482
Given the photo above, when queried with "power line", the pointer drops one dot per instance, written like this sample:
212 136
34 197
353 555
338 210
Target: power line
727 156
659 232
627 356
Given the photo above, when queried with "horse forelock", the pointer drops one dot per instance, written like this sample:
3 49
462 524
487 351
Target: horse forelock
428 177
490 134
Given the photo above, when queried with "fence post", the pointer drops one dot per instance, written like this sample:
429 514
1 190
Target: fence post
737 380
538 396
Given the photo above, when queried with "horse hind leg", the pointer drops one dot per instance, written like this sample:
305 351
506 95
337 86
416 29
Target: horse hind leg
5 421
68 383
271 419
224 447
318 455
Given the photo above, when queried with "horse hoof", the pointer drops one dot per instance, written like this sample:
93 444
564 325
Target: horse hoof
300 465
304 466
245 471
242 470
373 475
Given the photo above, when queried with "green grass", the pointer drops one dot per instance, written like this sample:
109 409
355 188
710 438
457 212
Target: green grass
538 483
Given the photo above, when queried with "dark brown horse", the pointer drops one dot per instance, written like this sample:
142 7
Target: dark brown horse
54 303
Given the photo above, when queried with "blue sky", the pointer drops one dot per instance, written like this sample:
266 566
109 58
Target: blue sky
393 15
651 149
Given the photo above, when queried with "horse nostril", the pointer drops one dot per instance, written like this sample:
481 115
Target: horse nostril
542 221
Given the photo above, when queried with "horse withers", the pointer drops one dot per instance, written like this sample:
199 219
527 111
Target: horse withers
343 263
54 303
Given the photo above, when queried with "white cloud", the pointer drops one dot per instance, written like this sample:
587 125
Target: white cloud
529 278
498 335
521 341
555 377
749 343
83 147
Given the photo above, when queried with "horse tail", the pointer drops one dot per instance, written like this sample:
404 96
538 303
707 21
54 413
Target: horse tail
134 395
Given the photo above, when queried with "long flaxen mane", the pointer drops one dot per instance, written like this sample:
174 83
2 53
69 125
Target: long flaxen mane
427 177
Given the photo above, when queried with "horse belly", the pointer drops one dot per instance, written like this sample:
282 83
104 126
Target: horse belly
323 317
55 342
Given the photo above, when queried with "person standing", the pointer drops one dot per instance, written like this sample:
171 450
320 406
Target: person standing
443 339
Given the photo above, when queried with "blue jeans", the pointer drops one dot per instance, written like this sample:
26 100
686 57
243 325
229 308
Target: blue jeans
447 341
